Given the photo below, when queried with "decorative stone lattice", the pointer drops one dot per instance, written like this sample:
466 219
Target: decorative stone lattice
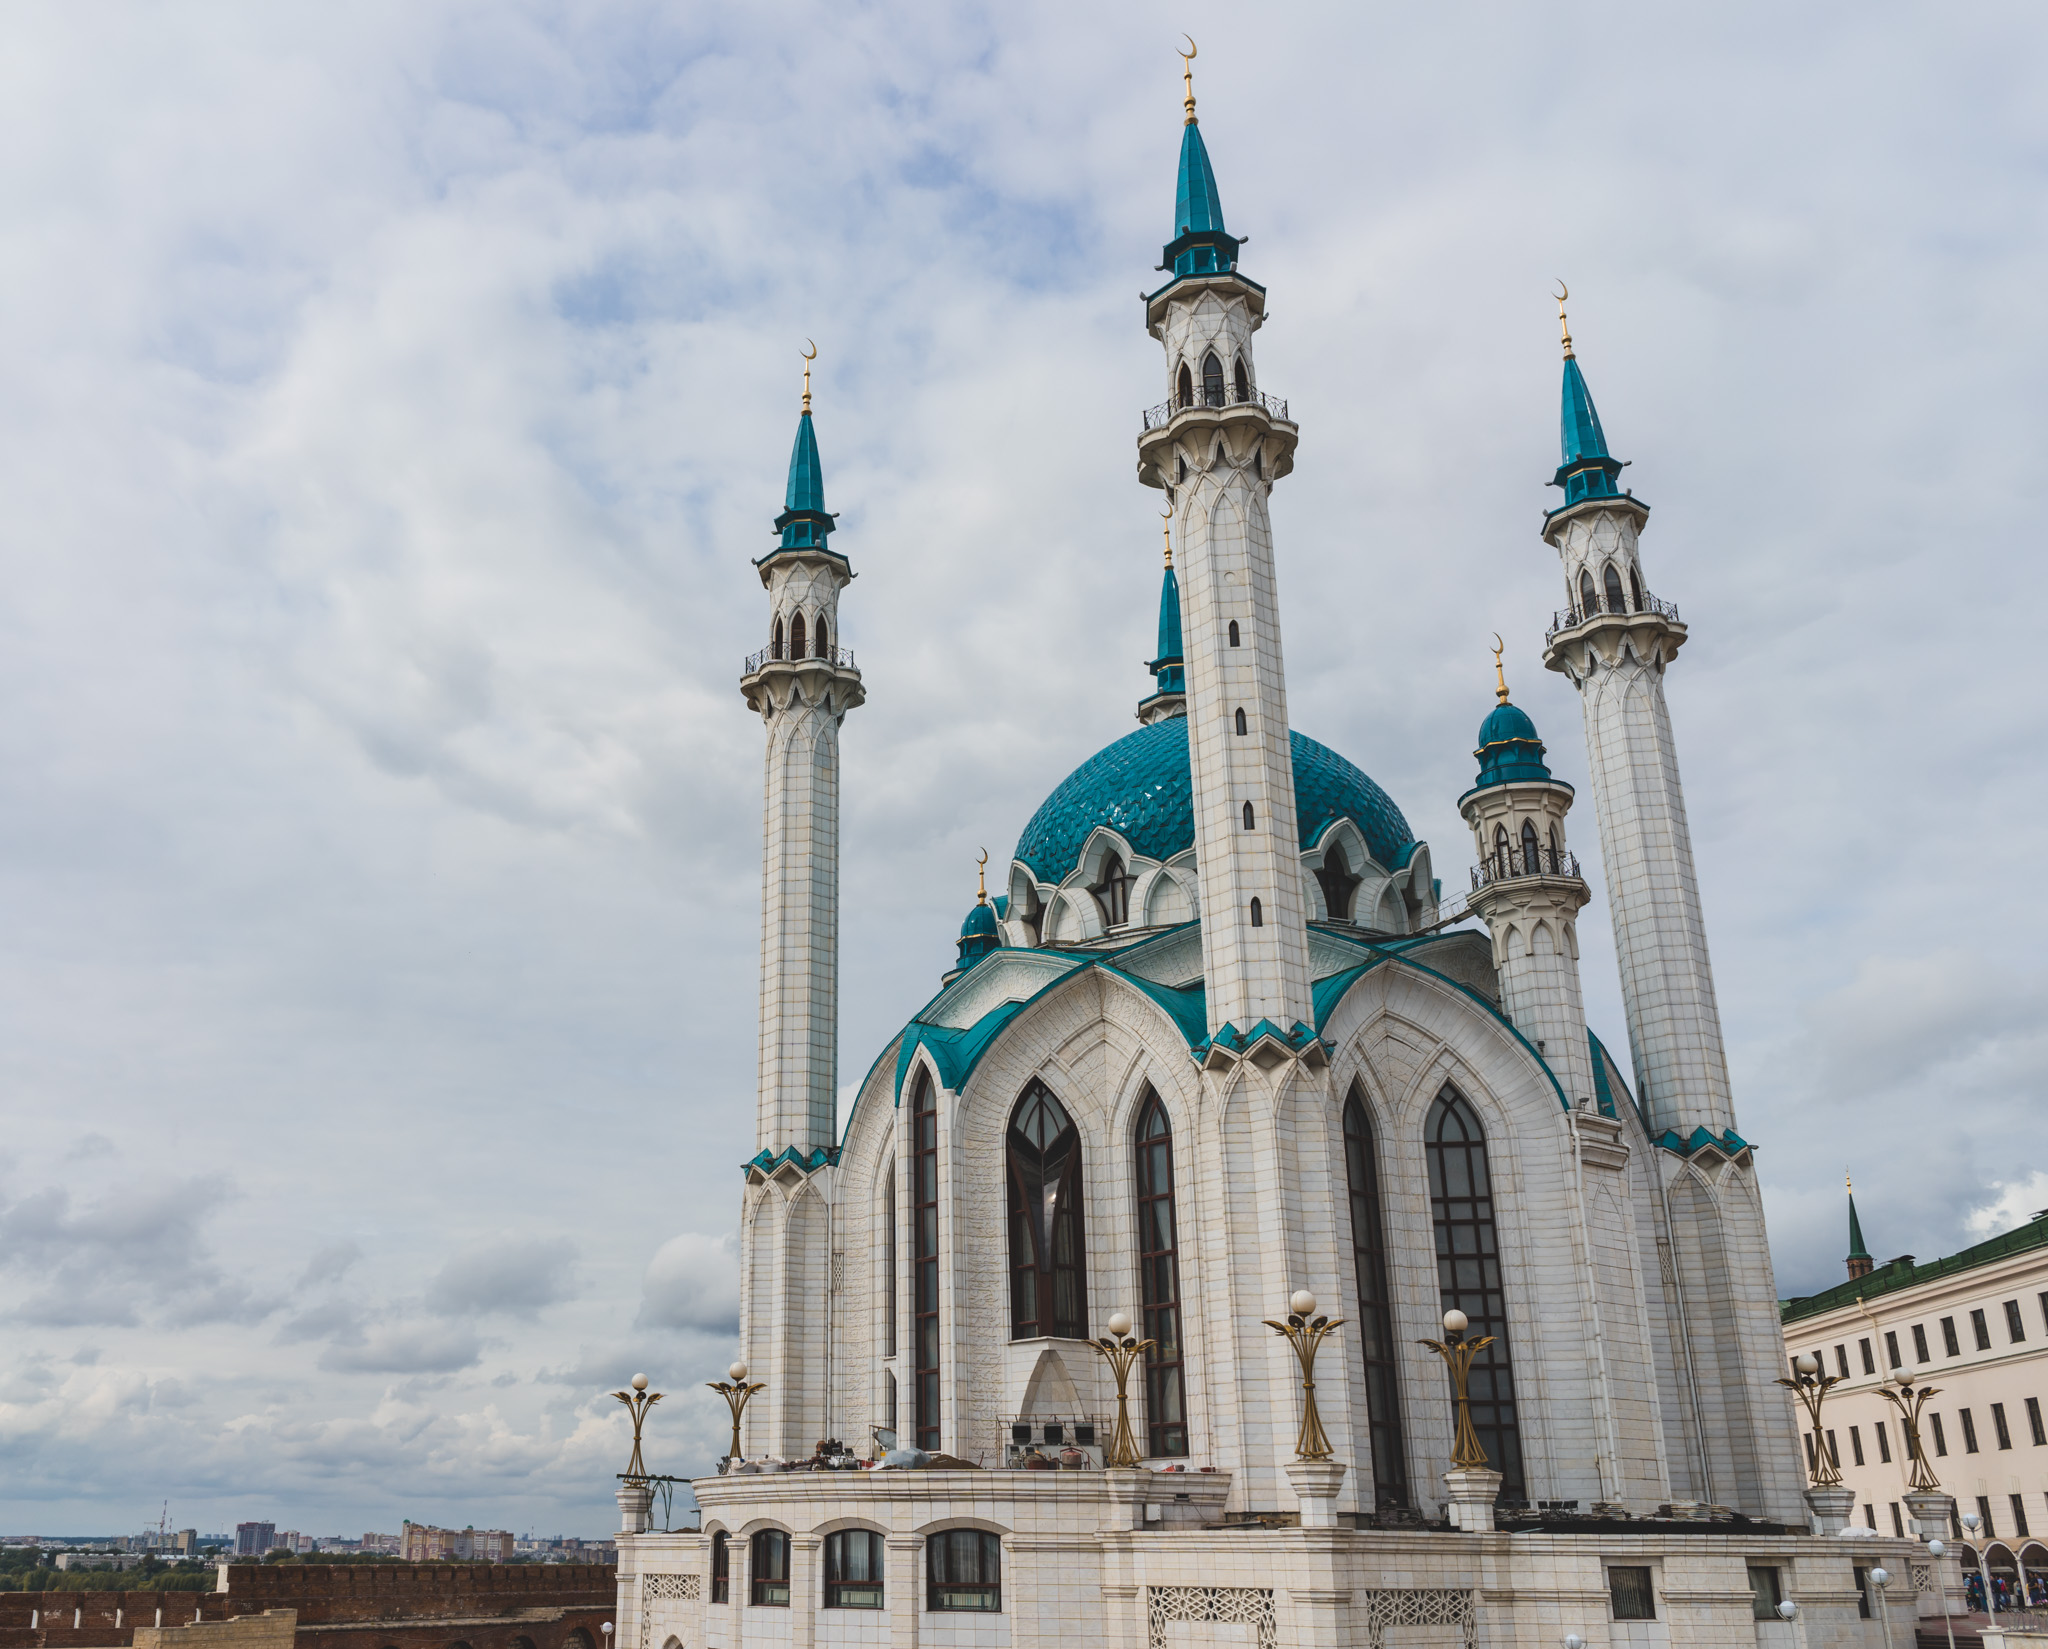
1415 1606
1250 1605
653 1588
1922 1576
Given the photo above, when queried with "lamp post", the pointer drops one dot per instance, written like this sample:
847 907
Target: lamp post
736 1391
1304 1331
1880 1577
1971 1523
638 1401
1909 1400
1811 1387
1120 1351
1938 1550
1457 1353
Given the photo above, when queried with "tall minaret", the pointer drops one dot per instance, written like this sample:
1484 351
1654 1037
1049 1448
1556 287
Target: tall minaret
802 684
1217 447
1614 641
1528 891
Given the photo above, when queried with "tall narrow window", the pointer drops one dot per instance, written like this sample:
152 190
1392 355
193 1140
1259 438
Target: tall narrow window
924 1264
1047 1291
776 645
768 1569
1248 816
1187 386
1242 726
1869 1362
1589 603
2015 1326
1468 1274
1243 378
1258 913
1920 1343
1113 892
1532 850
1980 1331
1159 1282
796 636
1557 865
1891 1350
1635 589
1615 601
1998 1425
1949 1342
2034 1422
889 1212
721 1567
1212 380
1338 883
1500 850
1884 1441
1375 1310
1233 632
818 646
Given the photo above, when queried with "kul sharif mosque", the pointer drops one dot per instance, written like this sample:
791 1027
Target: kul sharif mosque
1236 1250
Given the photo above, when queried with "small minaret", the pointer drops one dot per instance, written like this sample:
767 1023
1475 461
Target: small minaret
1527 889
801 684
1613 641
1216 447
1860 1262
1169 696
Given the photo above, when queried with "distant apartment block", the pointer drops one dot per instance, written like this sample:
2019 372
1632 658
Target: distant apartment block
423 1543
254 1539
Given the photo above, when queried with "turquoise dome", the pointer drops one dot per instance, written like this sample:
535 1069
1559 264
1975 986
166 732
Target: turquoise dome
1508 722
1509 750
980 923
1140 787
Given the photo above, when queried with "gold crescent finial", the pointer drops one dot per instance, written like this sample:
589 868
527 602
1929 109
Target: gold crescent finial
1166 531
1561 294
810 355
1187 70
981 898
1848 1182
1500 675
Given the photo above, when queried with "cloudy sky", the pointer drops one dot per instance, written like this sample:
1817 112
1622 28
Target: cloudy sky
393 396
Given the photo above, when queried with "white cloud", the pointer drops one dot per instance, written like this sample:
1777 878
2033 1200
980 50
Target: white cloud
693 1282
2016 1202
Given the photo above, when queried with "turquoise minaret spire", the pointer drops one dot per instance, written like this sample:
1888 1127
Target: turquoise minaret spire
1169 668
1587 470
1860 1262
1200 244
804 522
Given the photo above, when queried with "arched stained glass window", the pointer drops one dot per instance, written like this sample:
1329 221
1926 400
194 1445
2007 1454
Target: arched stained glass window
924 1258
1469 1277
1589 601
1244 381
1048 1286
1212 380
1532 849
1500 850
796 636
1375 1310
1187 386
1166 1427
1616 601
1113 892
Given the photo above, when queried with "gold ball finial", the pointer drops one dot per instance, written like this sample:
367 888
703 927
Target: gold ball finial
1561 294
1166 532
810 355
1500 675
1187 70
981 898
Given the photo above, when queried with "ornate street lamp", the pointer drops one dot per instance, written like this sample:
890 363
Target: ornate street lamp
1305 1331
638 1401
736 1391
1938 1549
1909 1400
1811 1387
1457 1353
1881 1578
1120 1351
1971 1523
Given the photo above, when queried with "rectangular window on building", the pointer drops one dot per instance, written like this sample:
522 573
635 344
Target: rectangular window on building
1884 1442
1856 1444
1628 1590
2015 1330
1812 1459
1940 1437
1981 1329
1892 1359
1870 1362
1766 1593
2034 1421
2019 1516
1969 1431
1862 1574
1842 1361
1834 1453
1949 1342
1898 1522
1984 1511
1869 1515
1920 1344
1998 1425
2044 1310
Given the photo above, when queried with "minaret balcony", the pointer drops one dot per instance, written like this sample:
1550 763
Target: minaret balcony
1512 864
841 659
1601 628
1592 608
1253 417
1215 396
768 682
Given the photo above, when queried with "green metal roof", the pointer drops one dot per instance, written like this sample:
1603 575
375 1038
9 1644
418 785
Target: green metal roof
1903 1273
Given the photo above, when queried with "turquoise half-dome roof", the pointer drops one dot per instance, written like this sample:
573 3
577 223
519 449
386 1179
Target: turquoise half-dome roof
1509 750
1141 788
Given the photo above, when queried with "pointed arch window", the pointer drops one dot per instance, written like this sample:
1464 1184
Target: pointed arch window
1616 601
1187 386
1469 1275
889 1262
1048 1288
796 636
776 645
1243 383
1166 1427
1242 727
818 645
1589 602
1233 632
1635 589
1338 884
1500 850
1258 913
1248 817
1212 380
1532 849
1556 850
1113 892
721 1567
924 1258
1375 1310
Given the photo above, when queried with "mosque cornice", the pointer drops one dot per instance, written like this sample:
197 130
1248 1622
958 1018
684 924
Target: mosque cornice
1555 521
805 555
1186 288
1651 636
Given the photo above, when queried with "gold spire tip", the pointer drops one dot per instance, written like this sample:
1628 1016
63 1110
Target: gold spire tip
981 898
1848 1183
810 355
1187 72
1500 675
1166 532
1562 293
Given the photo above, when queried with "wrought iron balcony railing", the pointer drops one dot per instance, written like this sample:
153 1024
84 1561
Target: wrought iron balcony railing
840 658
1217 395
1586 610
1504 864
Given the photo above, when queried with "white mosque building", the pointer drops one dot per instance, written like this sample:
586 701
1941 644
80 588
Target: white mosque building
1212 1043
